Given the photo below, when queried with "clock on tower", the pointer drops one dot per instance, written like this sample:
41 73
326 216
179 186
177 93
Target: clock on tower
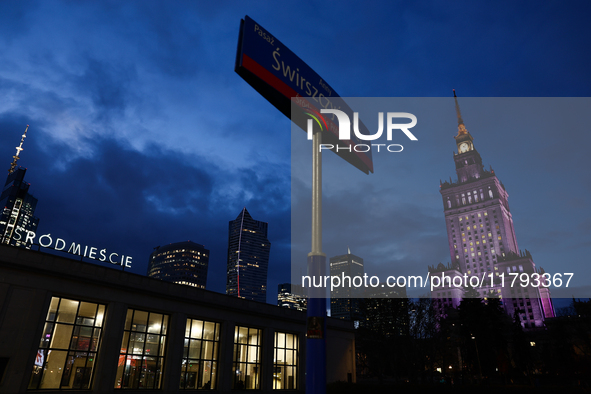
463 147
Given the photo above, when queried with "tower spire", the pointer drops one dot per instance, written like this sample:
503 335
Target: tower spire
18 152
461 126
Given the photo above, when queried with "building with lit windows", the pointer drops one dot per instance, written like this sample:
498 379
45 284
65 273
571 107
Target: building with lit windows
17 217
345 300
248 258
482 239
73 325
291 296
184 263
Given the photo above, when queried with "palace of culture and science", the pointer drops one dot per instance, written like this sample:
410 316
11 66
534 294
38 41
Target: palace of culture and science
482 240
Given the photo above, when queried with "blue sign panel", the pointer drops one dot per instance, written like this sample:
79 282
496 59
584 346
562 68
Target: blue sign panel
284 79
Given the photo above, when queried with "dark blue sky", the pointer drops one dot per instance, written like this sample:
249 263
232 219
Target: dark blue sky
142 134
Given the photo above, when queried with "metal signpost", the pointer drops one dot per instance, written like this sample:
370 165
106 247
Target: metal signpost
284 79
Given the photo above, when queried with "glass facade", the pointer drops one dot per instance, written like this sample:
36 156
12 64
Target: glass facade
142 350
200 355
18 215
345 301
285 365
246 367
69 344
248 258
184 263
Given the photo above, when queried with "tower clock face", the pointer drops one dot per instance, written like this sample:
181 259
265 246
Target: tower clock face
464 147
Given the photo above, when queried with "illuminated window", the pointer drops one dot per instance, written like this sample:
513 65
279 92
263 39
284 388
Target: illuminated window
69 344
142 351
200 355
246 368
285 366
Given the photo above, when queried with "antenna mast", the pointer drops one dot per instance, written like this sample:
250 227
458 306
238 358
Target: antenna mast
18 152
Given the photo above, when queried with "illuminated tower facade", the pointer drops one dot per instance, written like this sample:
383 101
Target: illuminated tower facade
184 263
345 300
482 238
17 218
248 258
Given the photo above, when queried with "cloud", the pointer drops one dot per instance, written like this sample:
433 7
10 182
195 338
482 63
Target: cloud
142 134
109 86
130 201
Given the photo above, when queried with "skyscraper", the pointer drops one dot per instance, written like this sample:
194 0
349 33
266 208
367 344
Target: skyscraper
482 239
345 299
184 263
248 258
17 218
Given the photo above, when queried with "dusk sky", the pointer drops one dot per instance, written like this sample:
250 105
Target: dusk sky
141 133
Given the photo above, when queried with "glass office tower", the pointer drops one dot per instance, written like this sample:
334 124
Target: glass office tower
248 258
17 218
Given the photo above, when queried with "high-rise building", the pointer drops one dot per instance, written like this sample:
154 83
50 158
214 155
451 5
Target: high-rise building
482 239
291 297
17 218
345 299
248 258
184 263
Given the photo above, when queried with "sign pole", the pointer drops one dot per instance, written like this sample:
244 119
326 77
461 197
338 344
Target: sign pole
316 312
269 67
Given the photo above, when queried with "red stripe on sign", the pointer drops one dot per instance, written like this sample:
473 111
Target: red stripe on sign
267 76
277 84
